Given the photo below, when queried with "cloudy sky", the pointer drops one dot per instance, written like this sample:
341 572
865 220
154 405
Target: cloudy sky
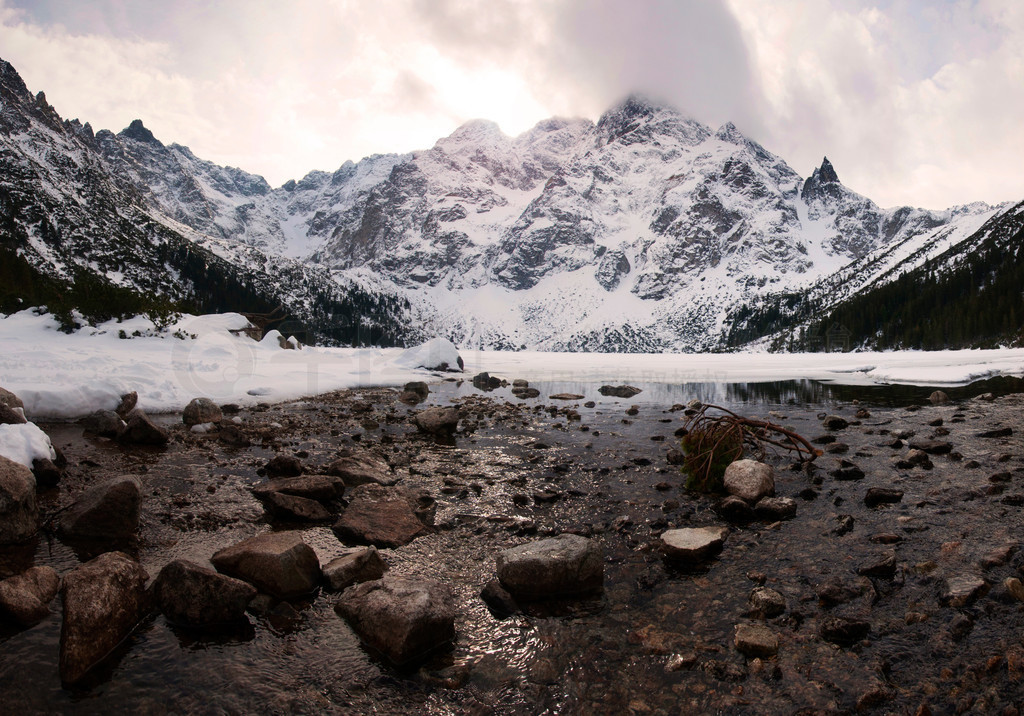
914 101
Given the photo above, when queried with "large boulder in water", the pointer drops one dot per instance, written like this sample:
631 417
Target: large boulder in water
749 480
401 618
19 512
353 566
563 566
437 421
26 597
140 430
201 410
191 595
107 511
436 354
103 601
278 563
385 516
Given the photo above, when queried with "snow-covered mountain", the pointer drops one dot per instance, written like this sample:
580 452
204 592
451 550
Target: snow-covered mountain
640 232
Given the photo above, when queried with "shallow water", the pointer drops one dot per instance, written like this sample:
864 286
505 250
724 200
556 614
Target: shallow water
604 655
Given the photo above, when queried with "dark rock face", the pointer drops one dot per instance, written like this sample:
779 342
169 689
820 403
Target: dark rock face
191 595
140 430
613 267
354 566
401 618
567 565
103 601
278 563
201 410
109 510
384 516
26 597
19 512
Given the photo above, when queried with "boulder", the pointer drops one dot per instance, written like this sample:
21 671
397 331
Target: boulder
882 495
232 436
834 422
773 509
436 354
46 472
401 618
293 508
963 589
844 632
354 566
108 511
498 599
767 602
284 466
756 641
384 516
322 488
127 404
105 423
140 430
191 595
278 563
355 470
26 597
566 396
932 447
200 411
10 399
749 480
437 421
19 512
103 601
693 545
735 510
564 566
619 391
938 398
525 393
883 567
11 416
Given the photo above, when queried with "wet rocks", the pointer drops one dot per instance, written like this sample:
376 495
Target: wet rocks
19 512
563 566
756 641
996 433
962 589
140 430
938 397
766 602
619 391
283 506
108 511
525 392
47 473
773 509
402 618
932 447
103 601
354 566
384 516
835 422
847 471
278 563
284 466
1013 586
693 545
735 510
883 567
25 598
200 411
414 393
843 631
357 470
11 416
322 488
487 382
437 421
749 480
127 404
498 599
882 495
566 396
191 595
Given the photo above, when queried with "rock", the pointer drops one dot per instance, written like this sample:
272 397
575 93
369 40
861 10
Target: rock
233 436
127 405
293 508
284 466
19 512
960 627
436 354
402 618
525 393
10 399
354 566
437 421
756 641
498 599
883 568
487 382
26 597
322 488
383 516
963 589
520 383
201 410
996 433
735 510
675 457
11 416
46 473
108 511
419 388
834 422
564 566
1013 587
692 545
847 471
357 470
938 398
844 632
749 480
140 430
882 495
278 563
986 397
619 391
191 595
773 509
932 447
566 396
844 525
103 601
767 602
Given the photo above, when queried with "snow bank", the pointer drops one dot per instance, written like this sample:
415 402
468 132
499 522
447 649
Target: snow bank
62 376
436 354
25 443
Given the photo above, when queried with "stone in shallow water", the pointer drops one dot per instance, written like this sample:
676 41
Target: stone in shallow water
563 566
26 597
353 566
767 602
19 512
749 480
108 511
963 589
278 563
844 632
756 640
402 618
692 545
882 495
192 595
774 509
384 516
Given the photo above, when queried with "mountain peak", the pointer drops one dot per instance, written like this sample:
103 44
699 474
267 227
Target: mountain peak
822 182
137 131
826 173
